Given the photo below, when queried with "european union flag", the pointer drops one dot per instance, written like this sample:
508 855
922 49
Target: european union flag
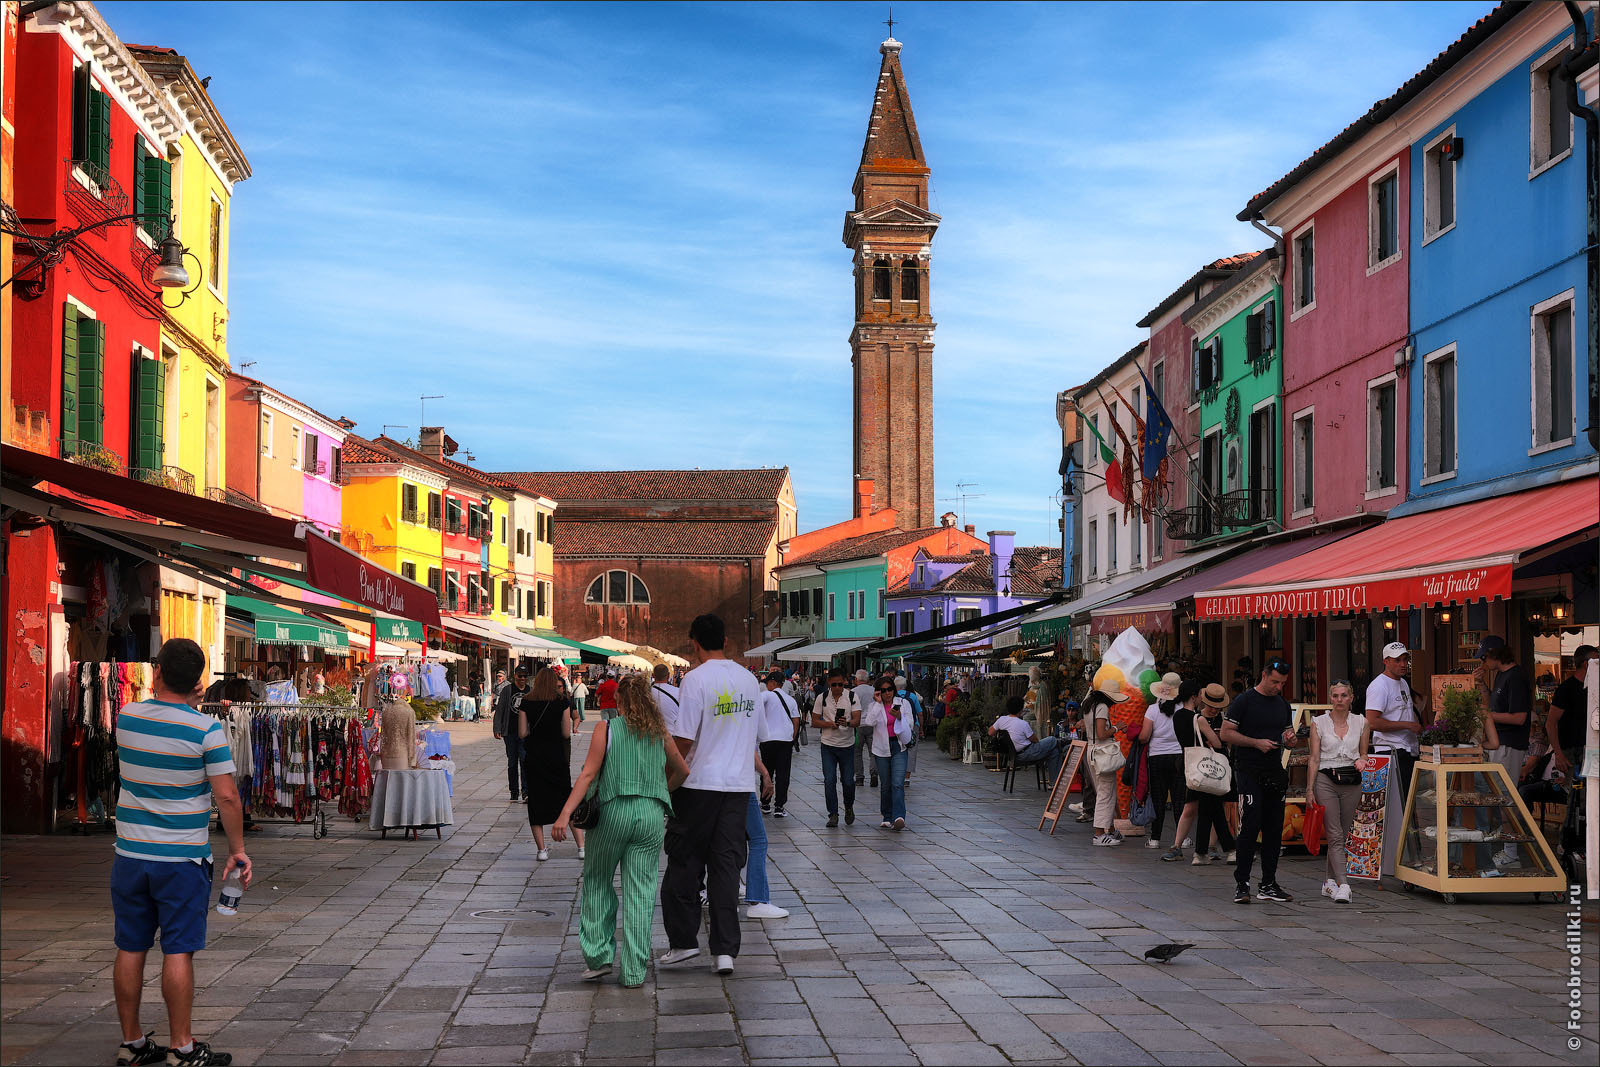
1157 428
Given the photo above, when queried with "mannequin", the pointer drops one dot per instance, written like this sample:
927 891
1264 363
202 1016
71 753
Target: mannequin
399 736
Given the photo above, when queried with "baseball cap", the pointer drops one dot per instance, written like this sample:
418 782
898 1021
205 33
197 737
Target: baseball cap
1395 649
1490 641
774 675
522 668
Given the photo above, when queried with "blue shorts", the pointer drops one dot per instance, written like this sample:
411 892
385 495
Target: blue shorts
174 896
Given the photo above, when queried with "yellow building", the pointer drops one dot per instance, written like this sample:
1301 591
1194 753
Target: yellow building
194 185
394 509
533 561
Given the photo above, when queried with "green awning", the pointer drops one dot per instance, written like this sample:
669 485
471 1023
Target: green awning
282 626
393 629
586 653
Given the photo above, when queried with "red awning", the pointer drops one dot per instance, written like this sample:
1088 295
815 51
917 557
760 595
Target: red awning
329 565
1450 556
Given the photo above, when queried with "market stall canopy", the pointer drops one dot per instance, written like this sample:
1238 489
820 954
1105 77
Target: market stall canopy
609 643
211 524
772 648
276 625
656 656
1152 611
1449 556
587 653
628 661
823 651
477 629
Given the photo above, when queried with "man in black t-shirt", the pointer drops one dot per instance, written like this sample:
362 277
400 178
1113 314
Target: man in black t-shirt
1569 705
1510 703
1258 724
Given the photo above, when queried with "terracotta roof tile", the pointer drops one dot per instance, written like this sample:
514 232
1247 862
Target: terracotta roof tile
664 537
1381 111
865 545
1029 569
709 485
1217 268
360 450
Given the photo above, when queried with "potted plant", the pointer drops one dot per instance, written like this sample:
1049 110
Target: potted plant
1456 734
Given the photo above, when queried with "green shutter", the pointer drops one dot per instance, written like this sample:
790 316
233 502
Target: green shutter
164 193
99 129
91 380
80 112
150 379
140 171
69 380
157 196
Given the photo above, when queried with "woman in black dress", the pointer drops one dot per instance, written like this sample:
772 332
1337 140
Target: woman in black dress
545 723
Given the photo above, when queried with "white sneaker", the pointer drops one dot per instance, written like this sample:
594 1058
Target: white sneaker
1154 842
1330 889
580 852
1106 840
1342 894
766 911
676 955
543 855
1232 856
886 825
724 964
1188 842
1075 808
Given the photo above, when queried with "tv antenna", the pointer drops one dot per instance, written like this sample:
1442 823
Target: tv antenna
246 366
963 495
425 399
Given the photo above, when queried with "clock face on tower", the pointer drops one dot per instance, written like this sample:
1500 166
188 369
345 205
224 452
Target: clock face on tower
890 233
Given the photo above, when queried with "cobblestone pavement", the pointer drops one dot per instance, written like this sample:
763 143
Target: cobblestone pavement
971 939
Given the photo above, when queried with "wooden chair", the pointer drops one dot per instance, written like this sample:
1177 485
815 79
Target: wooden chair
1007 762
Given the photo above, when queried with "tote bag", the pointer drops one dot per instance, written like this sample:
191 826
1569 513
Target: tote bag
1204 768
1105 757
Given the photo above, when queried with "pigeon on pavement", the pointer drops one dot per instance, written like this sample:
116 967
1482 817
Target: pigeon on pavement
1165 953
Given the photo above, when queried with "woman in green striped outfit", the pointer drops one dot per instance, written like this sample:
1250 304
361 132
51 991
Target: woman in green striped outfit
636 764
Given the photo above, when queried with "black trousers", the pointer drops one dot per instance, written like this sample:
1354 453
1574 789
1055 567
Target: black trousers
1211 814
1166 784
778 756
1261 792
514 762
706 843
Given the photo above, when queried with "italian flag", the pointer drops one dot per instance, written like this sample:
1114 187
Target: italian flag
1113 467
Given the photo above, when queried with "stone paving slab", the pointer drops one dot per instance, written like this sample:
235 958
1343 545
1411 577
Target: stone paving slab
970 939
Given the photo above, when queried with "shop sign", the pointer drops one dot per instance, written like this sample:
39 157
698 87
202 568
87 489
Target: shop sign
1360 595
335 569
276 632
390 629
1046 630
1152 621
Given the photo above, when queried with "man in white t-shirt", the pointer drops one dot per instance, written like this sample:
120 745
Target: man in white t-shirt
1391 714
777 753
1029 748
719 728
665 695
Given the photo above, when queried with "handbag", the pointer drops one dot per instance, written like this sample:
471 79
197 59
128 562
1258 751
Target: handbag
586 816
1144 811
1311 828
1105 757
1204 768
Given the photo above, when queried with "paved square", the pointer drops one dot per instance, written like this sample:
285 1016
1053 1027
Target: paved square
971 939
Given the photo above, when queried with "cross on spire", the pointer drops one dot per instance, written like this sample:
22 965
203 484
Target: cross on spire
889 22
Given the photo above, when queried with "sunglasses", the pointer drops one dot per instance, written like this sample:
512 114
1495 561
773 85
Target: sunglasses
1278 665
886 689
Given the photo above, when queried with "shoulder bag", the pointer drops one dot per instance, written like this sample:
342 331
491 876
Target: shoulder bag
1205 770
1105 757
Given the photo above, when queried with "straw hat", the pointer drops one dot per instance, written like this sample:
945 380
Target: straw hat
1214 696
1113 693
1167 688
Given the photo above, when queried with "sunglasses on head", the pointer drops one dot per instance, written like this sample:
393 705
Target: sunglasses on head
1278 665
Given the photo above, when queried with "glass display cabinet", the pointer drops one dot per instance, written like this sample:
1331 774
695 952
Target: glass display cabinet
1467 831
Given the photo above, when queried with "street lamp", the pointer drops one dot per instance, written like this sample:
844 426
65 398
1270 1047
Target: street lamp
162 269
170 272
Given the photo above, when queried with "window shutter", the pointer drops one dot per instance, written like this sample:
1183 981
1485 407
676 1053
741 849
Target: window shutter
80 112
99 128
1269 326
69 380
164 193
1194 365
141 172
91 380
149 379
1216 360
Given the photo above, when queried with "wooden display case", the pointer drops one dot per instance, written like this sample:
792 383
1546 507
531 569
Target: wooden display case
1466 830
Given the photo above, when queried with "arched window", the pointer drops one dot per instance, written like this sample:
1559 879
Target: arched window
880 279
617 587
910 281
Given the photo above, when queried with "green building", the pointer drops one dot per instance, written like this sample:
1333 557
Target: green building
1237 370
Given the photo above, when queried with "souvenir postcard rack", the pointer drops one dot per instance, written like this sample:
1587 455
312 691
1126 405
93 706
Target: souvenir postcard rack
1467 830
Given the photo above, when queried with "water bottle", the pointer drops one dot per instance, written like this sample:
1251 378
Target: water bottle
232 892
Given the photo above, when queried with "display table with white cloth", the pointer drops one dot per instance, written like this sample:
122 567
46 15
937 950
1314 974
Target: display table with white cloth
411 800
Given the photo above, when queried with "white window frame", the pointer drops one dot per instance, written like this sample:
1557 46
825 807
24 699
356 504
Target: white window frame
1093 555
1111 543
1366 480
1374 265
831 603
297 438
1296 309
1136 545
1539 93
1309 416
1535 340
270 428
1430 188
1430 416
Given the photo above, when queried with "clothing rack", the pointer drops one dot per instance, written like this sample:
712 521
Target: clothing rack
341 772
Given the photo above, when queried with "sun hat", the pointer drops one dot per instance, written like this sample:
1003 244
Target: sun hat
1167 687
1214 696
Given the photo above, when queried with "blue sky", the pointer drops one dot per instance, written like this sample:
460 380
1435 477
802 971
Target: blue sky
610 234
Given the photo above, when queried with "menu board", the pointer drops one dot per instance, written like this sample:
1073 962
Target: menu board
1057 801
1364 845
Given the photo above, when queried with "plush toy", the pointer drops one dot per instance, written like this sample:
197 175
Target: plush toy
1293 819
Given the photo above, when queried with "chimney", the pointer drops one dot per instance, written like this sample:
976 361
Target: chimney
972 531
1000 546
948 520
863 497
431 442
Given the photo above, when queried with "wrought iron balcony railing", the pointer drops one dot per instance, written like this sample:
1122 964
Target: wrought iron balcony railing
1191 523
1247 507
167 476
224 495
101 458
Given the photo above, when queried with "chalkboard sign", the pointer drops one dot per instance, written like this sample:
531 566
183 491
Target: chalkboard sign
1056 802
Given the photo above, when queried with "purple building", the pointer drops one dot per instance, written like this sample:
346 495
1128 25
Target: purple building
941 590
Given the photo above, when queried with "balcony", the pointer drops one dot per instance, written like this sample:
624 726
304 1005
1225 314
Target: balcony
169 477
91 191
1191 523
1249 507
455 526
319 467
101 458
409 514
435 522
237 499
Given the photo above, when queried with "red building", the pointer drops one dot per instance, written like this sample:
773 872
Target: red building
85 345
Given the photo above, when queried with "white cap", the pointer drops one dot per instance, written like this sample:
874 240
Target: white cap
1395 649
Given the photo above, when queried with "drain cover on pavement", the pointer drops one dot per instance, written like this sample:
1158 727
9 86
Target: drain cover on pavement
511 913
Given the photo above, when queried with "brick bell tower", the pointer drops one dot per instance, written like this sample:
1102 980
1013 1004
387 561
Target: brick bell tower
891 232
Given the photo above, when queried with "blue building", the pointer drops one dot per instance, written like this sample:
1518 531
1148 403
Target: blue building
1497 372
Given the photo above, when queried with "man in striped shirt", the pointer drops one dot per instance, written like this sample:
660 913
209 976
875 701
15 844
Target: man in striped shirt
174 760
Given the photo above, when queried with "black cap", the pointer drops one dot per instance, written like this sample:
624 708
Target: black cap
775 675
523 668
1490 641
